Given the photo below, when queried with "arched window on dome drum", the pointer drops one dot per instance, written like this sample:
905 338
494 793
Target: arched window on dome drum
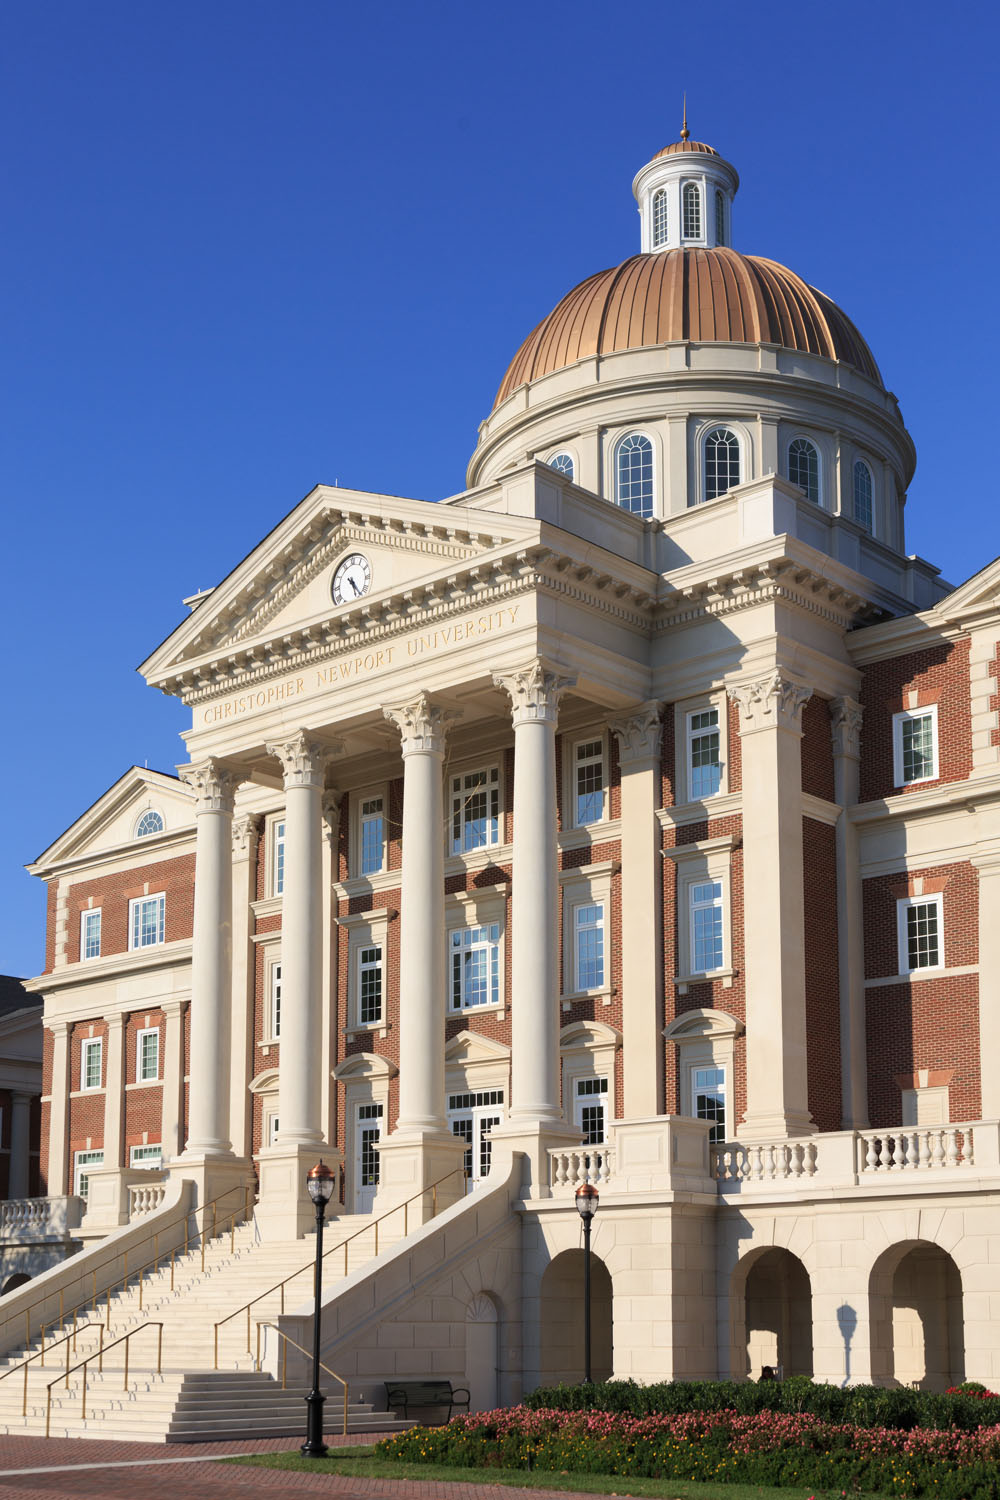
864 510
803 467
692 211
720 218
659 219
150 822
722 462
562 463
634 474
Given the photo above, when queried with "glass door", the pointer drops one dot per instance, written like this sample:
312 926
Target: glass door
367 1132
472 1117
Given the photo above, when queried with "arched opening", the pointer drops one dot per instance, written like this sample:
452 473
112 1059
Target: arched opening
917 1320
772 1315
482 1353
13 1282
562 1320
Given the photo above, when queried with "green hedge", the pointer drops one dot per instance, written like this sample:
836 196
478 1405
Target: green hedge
862 1405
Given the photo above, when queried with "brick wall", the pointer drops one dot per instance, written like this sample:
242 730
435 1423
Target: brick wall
112 893
819 857
817 749
143 1101
938 675
51 896
86 1111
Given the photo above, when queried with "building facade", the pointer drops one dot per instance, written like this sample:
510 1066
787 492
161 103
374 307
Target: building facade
632 816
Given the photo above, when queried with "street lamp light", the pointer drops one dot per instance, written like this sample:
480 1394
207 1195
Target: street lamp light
587 1199
321 1183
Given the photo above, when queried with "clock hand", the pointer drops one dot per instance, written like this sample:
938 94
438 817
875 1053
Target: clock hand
357 591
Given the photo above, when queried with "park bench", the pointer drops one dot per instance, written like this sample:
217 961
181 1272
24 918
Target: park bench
407 1396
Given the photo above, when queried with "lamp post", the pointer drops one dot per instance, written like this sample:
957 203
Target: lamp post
587 1199
320 1182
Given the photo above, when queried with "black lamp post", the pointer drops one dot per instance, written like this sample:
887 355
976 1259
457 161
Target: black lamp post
320 1182
587 1199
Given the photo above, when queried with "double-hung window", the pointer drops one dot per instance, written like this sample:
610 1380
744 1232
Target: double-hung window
371 835
915 746
708 1099
588 782
369 985
146 1156
81 1162
147 1061
147 917
90 933
475 966
274 1031
590 1109
919 931
588 945
475 810
278 857
704 761
705 909
91 1063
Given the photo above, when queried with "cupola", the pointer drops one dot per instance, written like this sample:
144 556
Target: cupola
685 196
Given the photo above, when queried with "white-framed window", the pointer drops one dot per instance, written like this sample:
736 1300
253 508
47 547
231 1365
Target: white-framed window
920 933
475 810
708 1098
803 466
634 474
722 464
278 857
587 769
703 924
83 1161
147 1055
146 1156
590 1109
864 495
703 738
705 914
371 834
149 823
915 745
692 211
370 984
706 1050
474 954
661 222
146 920
368 1135
472 1116
588 945
586 900
90 933
274 1001
91 1063
563 464
720 218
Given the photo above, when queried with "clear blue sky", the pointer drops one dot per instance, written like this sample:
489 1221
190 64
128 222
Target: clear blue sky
250 247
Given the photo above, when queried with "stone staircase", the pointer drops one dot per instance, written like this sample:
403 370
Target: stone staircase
189 1398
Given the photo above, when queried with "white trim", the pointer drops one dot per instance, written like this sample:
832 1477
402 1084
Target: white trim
457 801
90 911
86 1045
656 462
805 437
683 712
273 1016
146 1031
570 746
81 1161
703 432
705 1038
710 860
907 715
565 452
588 885
903 905
358 799
154 833
369 929
273 840
161 926
138 1157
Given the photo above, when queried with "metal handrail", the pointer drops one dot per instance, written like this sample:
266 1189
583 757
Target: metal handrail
91 1301
284 1362
39 1354
100 1366
280 1285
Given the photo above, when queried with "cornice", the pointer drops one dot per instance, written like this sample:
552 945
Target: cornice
954 796
779 580
118 966
131 854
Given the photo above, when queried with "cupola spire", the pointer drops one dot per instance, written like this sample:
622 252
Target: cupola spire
685 133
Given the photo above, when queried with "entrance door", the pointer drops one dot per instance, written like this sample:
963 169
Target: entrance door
472 1117
367 1131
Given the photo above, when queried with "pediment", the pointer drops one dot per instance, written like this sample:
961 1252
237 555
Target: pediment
980 594
470 1047
112 821
694 1025
364 1066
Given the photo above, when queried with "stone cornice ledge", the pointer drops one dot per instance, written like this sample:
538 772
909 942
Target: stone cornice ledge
728 805
117 966
948 796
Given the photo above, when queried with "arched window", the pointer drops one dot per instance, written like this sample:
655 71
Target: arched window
864 511
150 822
722 461
803 467
634 474
692 211
659 219
720 218
562 463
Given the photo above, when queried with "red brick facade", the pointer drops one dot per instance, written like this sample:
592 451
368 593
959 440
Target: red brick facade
937 675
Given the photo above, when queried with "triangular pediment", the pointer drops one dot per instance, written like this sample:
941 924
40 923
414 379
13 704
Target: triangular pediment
470 1047
979 595
113 821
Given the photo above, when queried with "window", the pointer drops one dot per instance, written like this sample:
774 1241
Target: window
90 933
722 462
803 467
705 906
692 211
864 490
475 810
278 858
919 927
563 464
590 1109
147 1061
275 1016
472 1116
703 925
147 916
82 1160
475 966
588 782
588 946
708 1100
720 218
659 219
145 1156
371 835
272 1126
704 763
634 474
150 822
369 985
369 1133
91 1060
914 746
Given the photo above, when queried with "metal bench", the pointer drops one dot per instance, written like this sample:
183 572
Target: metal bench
404 1396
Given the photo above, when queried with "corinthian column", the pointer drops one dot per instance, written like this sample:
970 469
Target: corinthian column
773 904
845 722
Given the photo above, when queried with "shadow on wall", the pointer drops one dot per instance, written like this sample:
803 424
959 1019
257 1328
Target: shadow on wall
562 1320
917 1318
771 1302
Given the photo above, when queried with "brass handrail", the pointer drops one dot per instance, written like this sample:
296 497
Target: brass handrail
280 1285
284 1362
39 1354
124 1338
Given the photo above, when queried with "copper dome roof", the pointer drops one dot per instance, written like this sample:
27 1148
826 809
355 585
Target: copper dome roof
675 296
676 146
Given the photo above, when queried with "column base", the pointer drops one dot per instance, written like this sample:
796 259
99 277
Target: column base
226 1178
424 1169
777 1125
534 1139
285 1210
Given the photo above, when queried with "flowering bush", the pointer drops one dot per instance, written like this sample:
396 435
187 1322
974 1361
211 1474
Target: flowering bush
772 1448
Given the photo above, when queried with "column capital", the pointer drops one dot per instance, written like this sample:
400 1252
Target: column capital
845 725
534 691
638 732
771 701
213 783
421 723
304 760
246 831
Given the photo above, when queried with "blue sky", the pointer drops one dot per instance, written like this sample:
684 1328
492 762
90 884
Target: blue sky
251 247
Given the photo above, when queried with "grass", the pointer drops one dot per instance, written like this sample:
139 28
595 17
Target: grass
363 1463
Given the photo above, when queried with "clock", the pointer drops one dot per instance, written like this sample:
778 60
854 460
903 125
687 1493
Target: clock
352 580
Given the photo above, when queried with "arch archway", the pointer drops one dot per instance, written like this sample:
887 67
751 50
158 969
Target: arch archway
771 1301
916 1316
562 1320
20 1278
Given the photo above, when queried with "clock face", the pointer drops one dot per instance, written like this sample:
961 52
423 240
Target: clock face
352 579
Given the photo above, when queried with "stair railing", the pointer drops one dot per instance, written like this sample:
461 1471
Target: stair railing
39 1354
284 1362
279 1286
83 1364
